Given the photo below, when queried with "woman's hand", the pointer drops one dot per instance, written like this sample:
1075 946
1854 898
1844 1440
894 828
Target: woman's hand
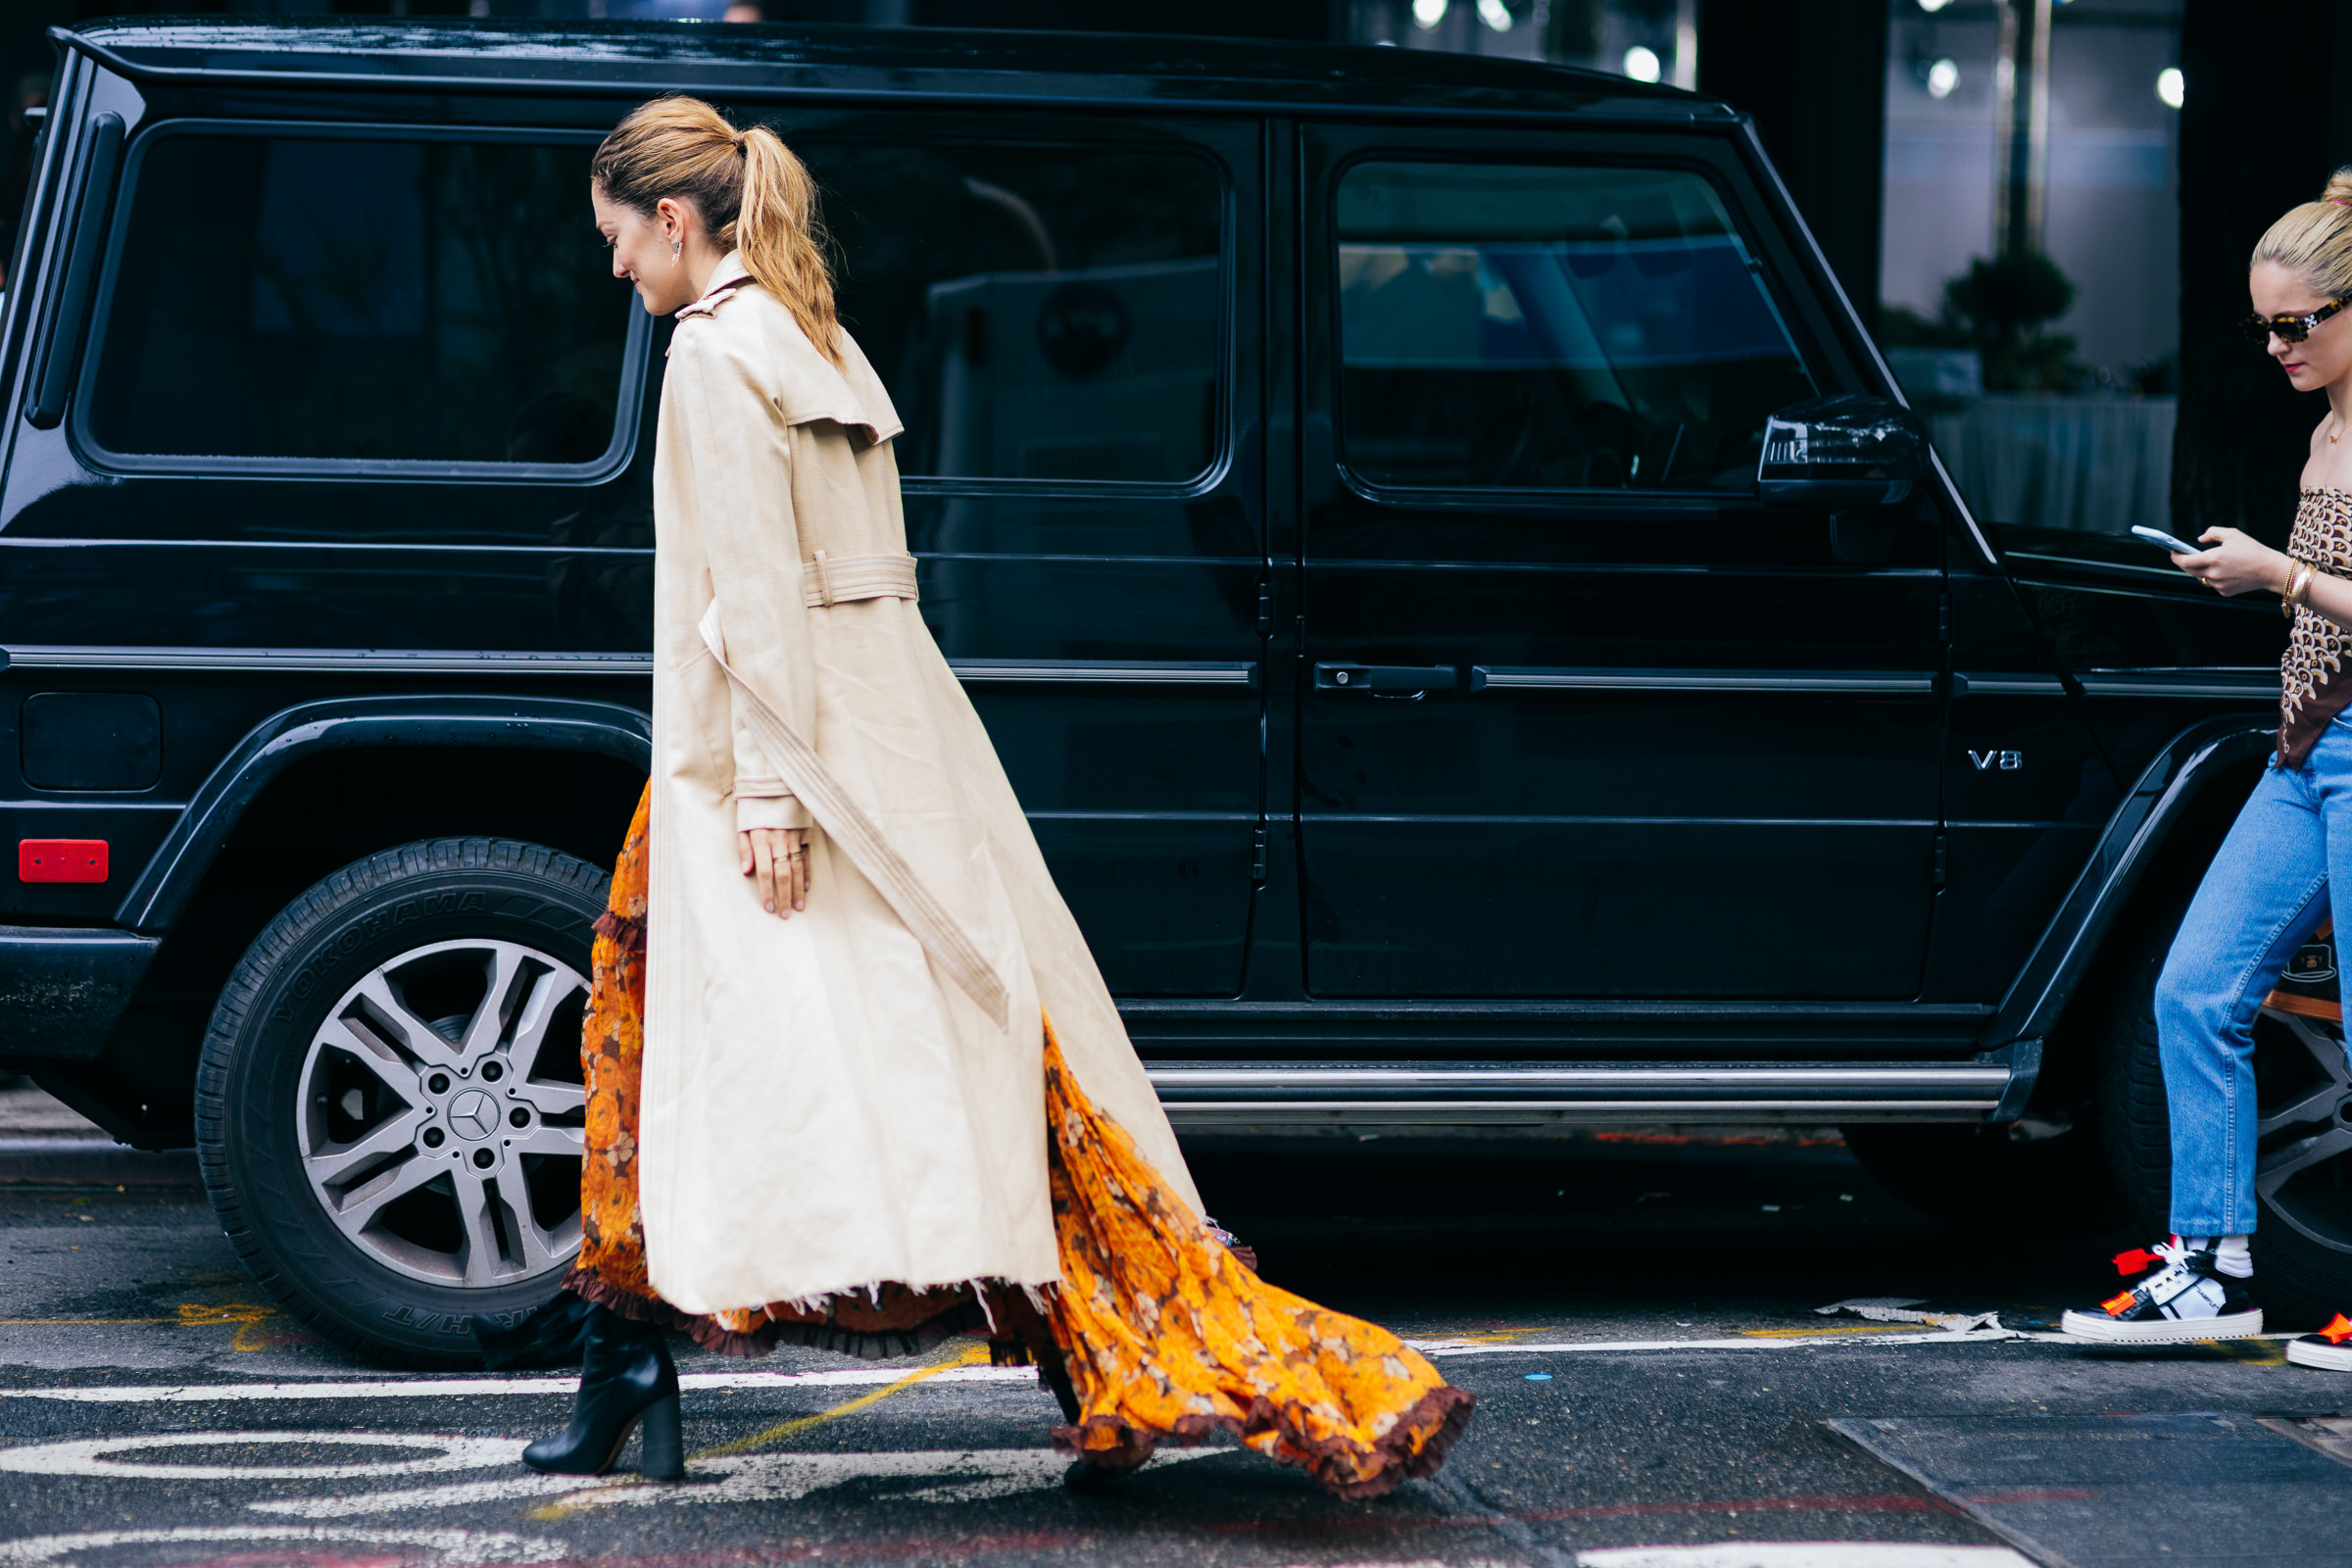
2237 564
777 860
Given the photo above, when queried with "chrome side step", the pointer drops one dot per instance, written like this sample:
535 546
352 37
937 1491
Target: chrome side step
1275 1098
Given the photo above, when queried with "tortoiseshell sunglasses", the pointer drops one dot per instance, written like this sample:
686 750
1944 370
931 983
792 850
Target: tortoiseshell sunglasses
2291 328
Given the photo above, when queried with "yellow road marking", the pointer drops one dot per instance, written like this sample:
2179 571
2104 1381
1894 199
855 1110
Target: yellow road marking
2251 1353
563 1508
1495 1335
245 1317
970 1357
1838 1328
76 1322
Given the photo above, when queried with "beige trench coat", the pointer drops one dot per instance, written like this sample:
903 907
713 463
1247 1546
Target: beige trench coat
857 1094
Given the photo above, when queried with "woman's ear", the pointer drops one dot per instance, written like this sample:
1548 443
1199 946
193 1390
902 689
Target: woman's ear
676 218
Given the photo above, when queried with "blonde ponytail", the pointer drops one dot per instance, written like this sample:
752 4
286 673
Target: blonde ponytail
778 233
754 195
2315 239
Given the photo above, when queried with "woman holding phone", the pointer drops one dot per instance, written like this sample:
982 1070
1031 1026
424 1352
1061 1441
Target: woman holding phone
854 1079
2268 890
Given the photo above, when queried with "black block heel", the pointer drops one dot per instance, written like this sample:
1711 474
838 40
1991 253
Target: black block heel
664 1455
627 1380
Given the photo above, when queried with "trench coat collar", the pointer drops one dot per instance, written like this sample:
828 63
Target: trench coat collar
729 275
814 388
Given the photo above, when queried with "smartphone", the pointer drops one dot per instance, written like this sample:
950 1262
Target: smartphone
2164 541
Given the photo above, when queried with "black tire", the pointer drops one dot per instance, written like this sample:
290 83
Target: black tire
2131 1086
1990 1178
279 1098
2303 1236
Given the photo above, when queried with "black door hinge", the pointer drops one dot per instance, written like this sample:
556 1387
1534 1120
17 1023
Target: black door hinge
1257 856
1265 609
1942 857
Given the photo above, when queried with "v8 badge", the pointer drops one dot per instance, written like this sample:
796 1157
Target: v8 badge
2006 761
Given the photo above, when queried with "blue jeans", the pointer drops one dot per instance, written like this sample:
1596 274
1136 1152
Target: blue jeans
2263 897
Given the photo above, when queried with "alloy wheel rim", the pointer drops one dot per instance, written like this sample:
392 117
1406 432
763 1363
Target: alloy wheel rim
2303 1130
440 1116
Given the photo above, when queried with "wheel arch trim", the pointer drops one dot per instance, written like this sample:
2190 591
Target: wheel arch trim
2132 840
161 893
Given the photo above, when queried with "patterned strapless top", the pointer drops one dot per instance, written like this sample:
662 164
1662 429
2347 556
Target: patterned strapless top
2313 687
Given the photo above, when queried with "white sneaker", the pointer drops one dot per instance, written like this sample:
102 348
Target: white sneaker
2183 1299
2324 1349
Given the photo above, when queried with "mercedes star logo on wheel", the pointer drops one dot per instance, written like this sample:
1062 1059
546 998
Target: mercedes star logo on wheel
473 1114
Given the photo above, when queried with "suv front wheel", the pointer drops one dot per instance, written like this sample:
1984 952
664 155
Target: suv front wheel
389 1109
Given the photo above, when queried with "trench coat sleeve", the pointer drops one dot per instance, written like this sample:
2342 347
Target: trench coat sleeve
740 468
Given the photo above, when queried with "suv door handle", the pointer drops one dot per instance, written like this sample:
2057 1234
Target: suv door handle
1407 681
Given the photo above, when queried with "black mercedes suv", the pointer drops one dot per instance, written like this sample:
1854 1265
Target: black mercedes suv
1479 636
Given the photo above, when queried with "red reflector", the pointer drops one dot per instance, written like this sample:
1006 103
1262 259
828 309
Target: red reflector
61 860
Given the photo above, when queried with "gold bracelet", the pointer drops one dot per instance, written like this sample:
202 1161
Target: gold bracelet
2298 583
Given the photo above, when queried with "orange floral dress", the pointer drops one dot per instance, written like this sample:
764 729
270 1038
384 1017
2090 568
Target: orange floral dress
1157 1333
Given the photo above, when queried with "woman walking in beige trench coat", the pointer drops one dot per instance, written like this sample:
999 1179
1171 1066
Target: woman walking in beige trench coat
855 1080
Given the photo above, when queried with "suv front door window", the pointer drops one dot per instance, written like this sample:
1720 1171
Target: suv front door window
1509 327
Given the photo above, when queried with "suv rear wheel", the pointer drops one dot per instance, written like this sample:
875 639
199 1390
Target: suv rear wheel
389 1108
2303 1143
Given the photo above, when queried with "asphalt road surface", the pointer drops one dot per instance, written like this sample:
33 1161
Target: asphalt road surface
1638 1319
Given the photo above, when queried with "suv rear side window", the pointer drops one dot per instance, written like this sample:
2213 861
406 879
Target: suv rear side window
330 300
1551 327
1038 312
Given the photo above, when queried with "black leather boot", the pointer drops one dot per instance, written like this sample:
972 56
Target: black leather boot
626 1379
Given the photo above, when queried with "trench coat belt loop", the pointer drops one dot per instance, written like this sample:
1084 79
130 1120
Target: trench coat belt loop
829 580
855 834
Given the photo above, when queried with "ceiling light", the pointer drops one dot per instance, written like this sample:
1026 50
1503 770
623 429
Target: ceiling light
1942 76
1930 7
1641 63
1495 15
2170 86
1427 14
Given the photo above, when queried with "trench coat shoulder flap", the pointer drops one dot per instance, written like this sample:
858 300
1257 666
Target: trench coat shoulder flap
804 385
805 773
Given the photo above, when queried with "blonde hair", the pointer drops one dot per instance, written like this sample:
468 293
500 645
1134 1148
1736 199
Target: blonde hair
756 197
2315 239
